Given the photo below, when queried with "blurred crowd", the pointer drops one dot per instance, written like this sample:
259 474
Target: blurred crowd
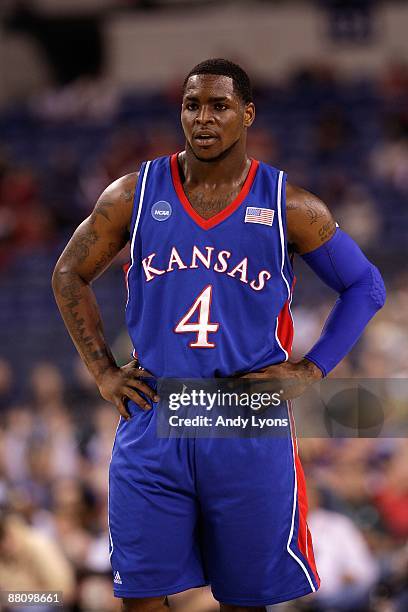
347 142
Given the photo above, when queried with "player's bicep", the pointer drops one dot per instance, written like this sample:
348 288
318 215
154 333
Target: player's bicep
99 238
309 221
92 248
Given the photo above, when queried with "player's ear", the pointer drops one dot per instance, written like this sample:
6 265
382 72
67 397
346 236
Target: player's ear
249 114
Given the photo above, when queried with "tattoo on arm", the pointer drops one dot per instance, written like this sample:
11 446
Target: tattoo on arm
292 206
101 209
77 301
89 252
127 195
72 292
104 259
309 221
327 230
79 248
314 212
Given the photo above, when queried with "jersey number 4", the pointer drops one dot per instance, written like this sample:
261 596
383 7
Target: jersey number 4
202 327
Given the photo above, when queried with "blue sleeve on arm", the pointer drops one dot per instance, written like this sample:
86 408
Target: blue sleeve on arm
341 265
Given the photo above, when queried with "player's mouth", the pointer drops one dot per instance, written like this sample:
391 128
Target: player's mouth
205 139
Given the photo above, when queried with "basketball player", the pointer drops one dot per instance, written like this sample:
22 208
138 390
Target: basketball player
210 284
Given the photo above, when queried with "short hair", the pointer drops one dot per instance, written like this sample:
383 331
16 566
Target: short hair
223 67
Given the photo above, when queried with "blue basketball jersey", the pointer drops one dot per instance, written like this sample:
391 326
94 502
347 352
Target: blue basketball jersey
209 297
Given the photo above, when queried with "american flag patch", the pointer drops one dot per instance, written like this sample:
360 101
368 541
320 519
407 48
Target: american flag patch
259 215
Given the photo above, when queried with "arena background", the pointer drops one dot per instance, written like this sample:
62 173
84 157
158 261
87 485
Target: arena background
89 89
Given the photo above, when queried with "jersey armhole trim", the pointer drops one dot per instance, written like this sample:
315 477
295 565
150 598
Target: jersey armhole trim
136 198
284 250
138 208
284 255
142 180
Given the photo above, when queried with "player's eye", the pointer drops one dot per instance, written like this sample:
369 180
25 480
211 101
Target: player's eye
220 107
191 106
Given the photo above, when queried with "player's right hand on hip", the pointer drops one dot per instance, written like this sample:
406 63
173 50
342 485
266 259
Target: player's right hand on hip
117 385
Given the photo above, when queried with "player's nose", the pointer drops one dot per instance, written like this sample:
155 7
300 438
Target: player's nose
204 115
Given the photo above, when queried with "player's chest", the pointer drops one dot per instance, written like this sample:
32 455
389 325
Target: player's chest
208 202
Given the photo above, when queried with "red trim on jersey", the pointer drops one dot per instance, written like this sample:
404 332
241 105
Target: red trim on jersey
221 216
285 329
304 540
125 269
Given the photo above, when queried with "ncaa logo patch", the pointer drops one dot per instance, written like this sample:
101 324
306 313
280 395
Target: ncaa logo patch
161 211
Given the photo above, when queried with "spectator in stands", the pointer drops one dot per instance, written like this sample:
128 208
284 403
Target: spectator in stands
30 561
347 568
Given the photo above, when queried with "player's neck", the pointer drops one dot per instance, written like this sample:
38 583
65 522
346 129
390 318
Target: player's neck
228 169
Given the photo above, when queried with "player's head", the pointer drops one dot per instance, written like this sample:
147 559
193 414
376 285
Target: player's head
217 108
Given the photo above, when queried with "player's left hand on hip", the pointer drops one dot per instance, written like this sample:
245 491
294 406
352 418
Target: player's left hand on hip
290 379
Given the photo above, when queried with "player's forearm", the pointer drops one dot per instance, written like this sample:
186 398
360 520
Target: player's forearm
343 267
77 304
346 322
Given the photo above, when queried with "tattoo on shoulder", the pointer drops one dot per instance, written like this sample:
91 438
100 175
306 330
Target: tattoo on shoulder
327 230
127 195
314 211
292 206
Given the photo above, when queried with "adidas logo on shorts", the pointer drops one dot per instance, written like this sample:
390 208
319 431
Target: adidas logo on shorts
117 579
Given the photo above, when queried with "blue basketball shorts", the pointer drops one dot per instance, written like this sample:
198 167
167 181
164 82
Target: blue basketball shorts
187 512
